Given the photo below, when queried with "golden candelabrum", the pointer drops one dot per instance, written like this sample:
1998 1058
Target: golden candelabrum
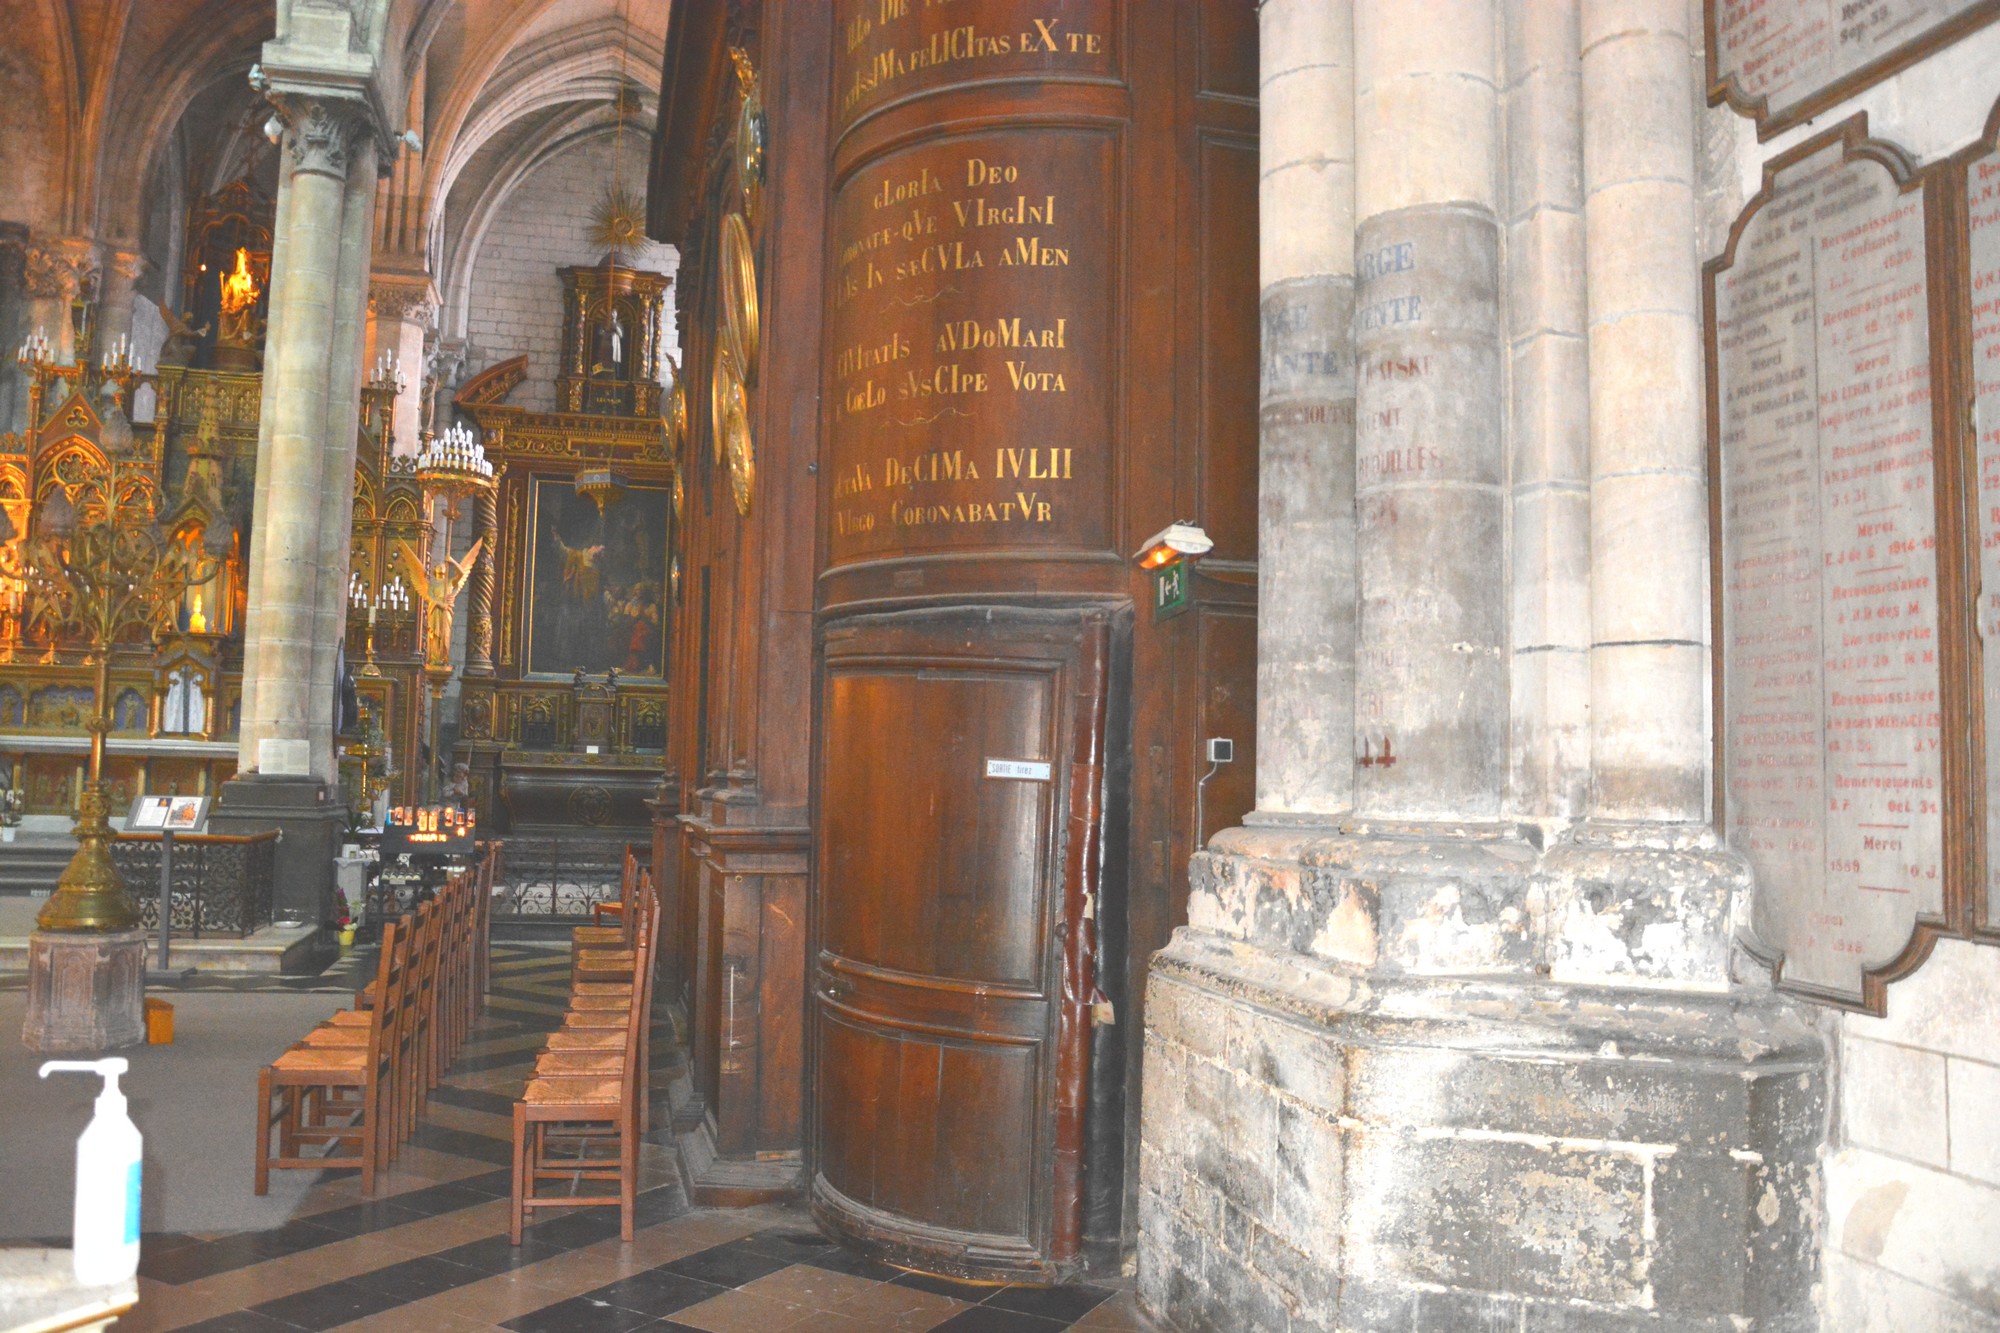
95 580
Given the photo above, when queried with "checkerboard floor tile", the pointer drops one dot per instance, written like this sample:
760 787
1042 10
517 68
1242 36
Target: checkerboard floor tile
430 1253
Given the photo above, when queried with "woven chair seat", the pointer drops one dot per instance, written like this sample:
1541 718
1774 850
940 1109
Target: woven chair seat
330 1035
574 1091
602 1064
597 1039
328 1059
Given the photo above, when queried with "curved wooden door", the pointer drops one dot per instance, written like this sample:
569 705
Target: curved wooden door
959 771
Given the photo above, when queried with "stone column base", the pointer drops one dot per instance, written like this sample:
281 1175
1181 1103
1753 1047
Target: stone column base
86 992
311 820
1325 1149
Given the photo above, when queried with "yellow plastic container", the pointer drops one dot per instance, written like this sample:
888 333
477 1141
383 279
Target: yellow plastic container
159 1022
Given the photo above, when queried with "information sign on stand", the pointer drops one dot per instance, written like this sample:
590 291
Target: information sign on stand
168 814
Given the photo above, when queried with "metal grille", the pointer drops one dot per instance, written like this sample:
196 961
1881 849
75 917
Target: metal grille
556 878
220 888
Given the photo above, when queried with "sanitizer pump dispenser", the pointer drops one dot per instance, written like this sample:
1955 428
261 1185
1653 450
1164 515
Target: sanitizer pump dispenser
107 1181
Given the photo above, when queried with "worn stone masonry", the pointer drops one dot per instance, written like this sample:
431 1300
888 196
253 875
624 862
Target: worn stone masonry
1453 1039
1328 1150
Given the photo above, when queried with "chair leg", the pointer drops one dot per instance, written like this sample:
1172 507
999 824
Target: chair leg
517 1213
371 1135
628 1177
264 1130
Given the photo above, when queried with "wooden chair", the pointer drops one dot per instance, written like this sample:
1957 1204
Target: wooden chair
308 1083
587 1110
597 935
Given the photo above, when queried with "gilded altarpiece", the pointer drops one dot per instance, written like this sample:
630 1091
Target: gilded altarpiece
174 695
563 705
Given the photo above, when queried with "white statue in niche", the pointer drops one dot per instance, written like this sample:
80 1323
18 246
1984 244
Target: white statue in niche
187 705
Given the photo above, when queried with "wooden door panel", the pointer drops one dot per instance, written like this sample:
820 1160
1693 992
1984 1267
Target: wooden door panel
966 1109
936 869
949 935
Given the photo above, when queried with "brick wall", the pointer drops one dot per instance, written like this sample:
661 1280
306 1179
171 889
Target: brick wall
516 297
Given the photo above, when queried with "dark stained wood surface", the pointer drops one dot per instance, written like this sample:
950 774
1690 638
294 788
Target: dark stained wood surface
952 966
1132 180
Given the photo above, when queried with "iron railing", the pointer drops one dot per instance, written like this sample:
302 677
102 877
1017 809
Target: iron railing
556 878
221 885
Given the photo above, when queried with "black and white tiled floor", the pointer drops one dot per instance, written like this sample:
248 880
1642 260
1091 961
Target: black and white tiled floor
430 1252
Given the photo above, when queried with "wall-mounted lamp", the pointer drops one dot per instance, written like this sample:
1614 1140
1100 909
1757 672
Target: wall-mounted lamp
1171 543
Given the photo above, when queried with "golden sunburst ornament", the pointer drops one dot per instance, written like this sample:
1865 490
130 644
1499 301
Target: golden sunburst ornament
618 223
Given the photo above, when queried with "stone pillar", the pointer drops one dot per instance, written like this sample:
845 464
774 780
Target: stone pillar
1644 888
122 269
1648 466
1548 417
298 567
342 434
285 734
57 273
267 407
402 312
14 325
1305 531
1431 681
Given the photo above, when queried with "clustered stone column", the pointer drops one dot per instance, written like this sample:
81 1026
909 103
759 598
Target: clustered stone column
1450 1039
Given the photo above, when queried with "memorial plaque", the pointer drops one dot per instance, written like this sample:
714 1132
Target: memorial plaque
970 340
1982 187
1830 707
891 49
1783 61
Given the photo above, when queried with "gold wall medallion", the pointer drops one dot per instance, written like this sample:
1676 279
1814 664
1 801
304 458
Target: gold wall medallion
751 130
740 327
742 455
674 418
725 387
680 493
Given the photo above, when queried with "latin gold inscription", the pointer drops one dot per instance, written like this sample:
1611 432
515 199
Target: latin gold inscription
953 341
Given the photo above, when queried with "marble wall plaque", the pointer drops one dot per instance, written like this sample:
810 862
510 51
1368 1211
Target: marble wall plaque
1982 188
1783 61
1830 712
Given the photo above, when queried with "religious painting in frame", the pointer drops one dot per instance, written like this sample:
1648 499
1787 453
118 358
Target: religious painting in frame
596 581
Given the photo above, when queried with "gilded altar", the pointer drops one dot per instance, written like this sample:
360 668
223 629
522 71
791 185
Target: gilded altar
175 694
563 706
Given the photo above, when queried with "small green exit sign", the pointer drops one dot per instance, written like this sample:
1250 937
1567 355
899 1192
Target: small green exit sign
1170 589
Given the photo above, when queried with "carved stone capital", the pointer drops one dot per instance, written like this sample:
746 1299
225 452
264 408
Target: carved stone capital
129 264
413 301
322 133
62 269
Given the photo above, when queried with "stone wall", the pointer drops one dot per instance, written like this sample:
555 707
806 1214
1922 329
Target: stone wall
1331 1151
1912 1160
1913 1169
516 300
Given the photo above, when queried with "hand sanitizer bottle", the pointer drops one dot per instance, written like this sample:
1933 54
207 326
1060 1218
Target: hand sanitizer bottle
108 1156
